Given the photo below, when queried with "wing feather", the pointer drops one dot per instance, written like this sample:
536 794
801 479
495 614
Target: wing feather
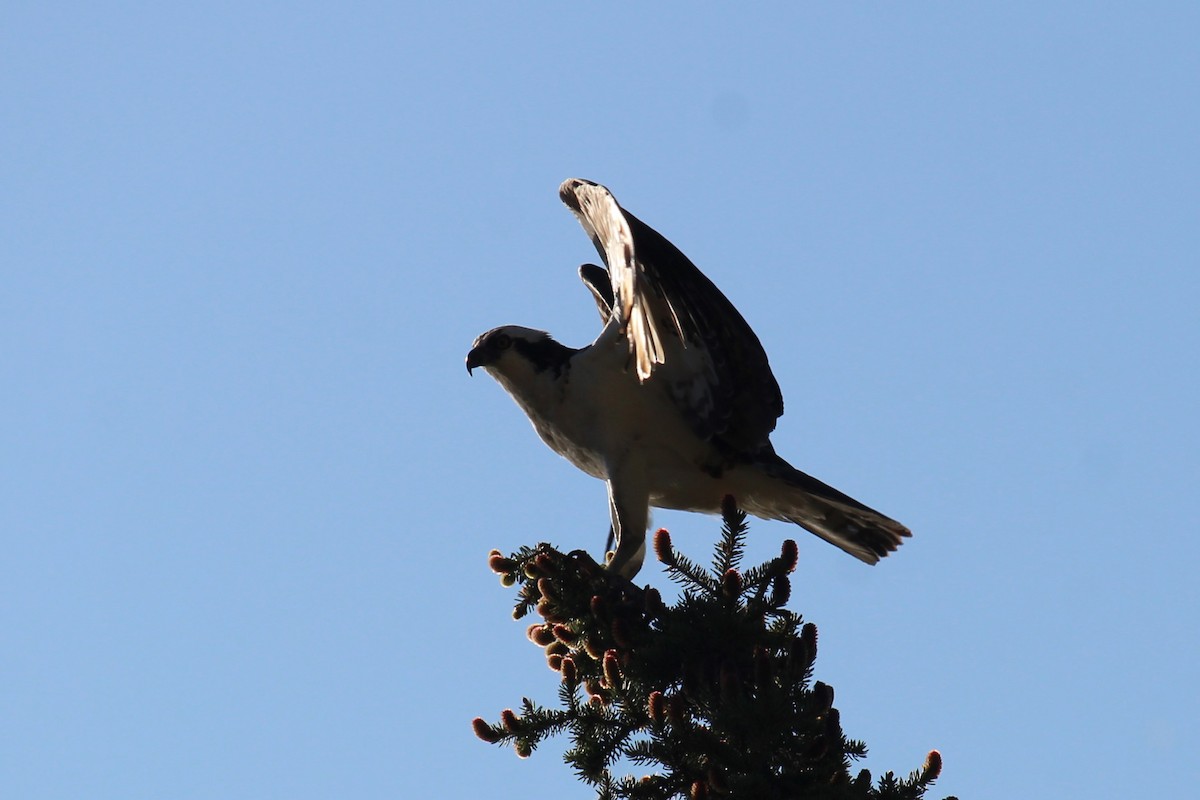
597 281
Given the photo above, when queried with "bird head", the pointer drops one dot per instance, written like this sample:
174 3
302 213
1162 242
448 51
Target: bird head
503 350
526 362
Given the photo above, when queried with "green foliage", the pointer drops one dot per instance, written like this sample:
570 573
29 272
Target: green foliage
712 696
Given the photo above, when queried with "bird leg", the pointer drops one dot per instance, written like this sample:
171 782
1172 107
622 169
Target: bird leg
630 511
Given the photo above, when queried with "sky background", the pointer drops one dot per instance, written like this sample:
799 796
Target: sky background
247 489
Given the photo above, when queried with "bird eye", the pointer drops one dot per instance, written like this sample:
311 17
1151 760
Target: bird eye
501 341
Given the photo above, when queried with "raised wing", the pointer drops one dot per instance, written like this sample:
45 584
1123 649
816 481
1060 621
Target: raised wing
681 329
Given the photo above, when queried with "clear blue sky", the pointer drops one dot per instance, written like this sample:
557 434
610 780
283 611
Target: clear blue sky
247 489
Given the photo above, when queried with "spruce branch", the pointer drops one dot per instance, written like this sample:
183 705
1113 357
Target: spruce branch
732 544
713 695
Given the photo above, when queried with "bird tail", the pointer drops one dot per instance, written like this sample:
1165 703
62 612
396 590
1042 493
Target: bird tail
837 518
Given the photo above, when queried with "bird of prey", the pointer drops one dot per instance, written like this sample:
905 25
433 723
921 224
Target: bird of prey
673 404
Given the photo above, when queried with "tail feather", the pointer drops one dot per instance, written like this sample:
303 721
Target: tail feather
837 518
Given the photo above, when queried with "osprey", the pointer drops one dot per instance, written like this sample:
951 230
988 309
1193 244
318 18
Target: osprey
673 404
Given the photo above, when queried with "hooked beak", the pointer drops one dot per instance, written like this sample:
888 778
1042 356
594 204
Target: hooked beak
478 357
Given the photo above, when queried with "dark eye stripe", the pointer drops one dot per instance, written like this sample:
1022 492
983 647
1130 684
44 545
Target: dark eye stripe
545 353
